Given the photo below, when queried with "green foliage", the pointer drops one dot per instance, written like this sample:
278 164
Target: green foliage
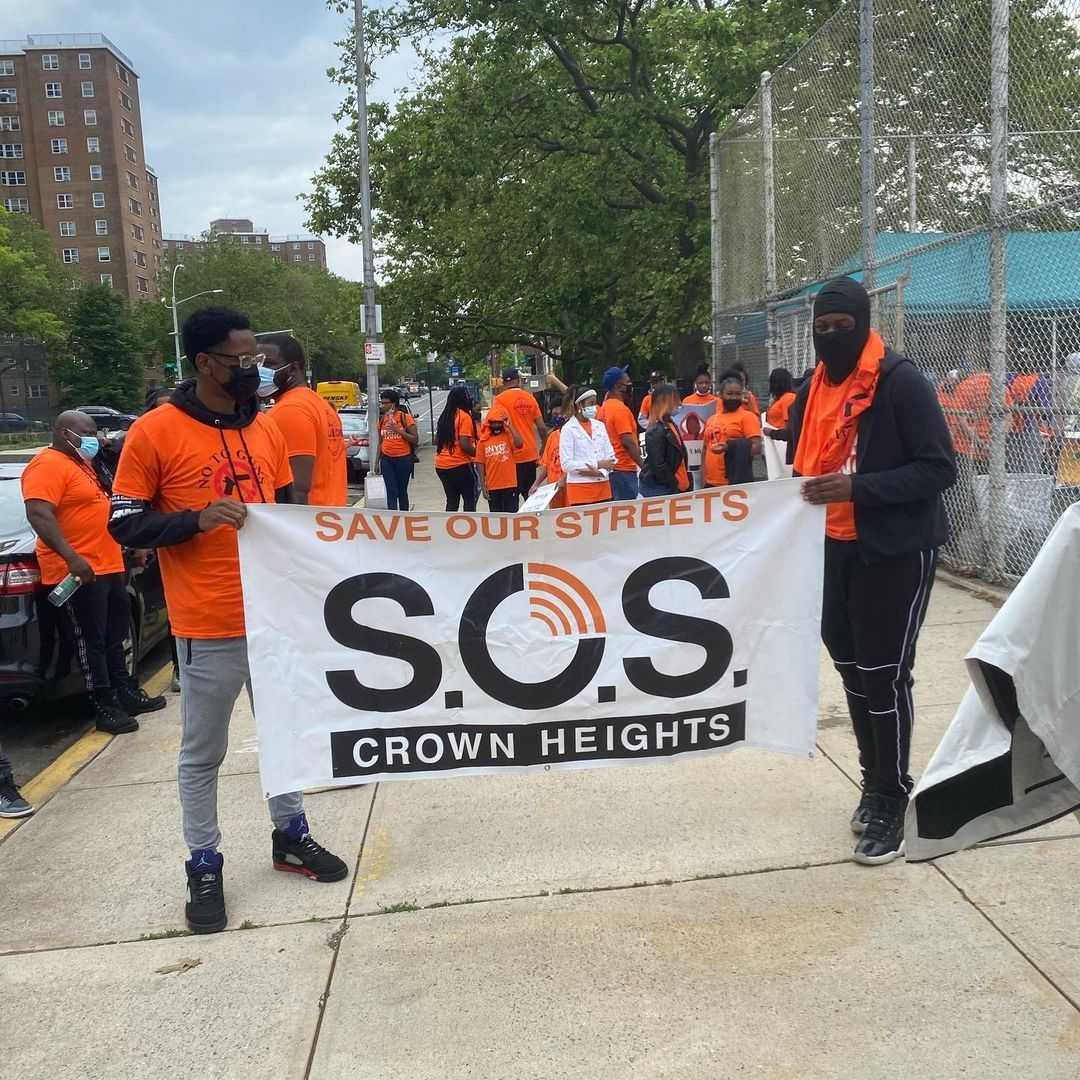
103 366
546 184
34 287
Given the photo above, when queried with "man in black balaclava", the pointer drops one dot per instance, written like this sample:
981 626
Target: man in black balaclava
869 432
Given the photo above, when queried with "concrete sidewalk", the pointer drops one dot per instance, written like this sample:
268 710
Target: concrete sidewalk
693 920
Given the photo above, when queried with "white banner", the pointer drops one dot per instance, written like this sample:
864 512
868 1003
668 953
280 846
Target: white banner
775 450
387 646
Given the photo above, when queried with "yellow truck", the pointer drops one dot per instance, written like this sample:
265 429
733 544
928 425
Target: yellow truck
339 393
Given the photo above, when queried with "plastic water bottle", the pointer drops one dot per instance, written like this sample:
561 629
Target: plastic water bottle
63 592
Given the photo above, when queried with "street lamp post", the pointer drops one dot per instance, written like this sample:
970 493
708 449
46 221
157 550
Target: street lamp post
175 323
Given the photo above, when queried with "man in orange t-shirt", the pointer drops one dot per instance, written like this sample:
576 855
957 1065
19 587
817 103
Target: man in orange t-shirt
528 422
702 394
309 423
732 422
187 473
869 431
623 432
68 507
495 461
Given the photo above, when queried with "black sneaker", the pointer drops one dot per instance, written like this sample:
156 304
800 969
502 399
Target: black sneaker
134 700
861 818
305 856
205 908
883 839
109 717
12 804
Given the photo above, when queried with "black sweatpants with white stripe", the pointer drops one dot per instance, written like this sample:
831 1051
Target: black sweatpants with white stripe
95 622
870 621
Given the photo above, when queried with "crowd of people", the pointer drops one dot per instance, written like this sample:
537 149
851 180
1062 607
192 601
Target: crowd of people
866 430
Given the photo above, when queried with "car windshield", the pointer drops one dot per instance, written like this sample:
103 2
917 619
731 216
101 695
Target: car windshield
12 510
354 423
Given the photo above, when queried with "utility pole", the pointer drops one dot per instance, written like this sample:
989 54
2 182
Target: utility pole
370 332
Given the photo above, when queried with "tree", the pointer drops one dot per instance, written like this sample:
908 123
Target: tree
34 287
104 366
547 184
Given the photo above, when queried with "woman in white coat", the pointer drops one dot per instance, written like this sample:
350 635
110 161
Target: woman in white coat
585 451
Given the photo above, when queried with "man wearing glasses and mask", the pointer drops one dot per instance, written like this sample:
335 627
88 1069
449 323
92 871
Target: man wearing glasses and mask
187 474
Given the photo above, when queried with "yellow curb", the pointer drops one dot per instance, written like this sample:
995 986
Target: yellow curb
76 757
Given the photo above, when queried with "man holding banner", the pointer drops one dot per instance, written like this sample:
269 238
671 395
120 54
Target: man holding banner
187 474
868 429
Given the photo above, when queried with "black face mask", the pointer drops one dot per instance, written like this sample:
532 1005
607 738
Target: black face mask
732 406
242 383
840 350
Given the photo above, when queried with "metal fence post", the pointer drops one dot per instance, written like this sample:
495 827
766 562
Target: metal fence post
913 188
768 168
715 250
999 301
866 139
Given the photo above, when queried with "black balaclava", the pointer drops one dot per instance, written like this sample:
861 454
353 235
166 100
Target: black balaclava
840 350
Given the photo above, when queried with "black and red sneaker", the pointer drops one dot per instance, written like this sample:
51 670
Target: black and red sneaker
305 856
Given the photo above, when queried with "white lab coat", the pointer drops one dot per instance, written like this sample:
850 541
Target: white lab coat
578 450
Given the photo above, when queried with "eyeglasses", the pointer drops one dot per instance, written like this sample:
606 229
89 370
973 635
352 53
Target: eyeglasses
243 361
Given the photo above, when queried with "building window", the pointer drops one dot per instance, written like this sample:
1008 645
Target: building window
12 150
310 246
157 243
39 390
67 228
96 172
65 202
9 95
135 207
103 255
85 63
298 258
90 117
71 255
296 247
97 200
311 256
87 89
16 178
58 146
275 247
101 226
93 145
129 153
54 90
56 118
62 174
258 239
243 239
136 233
106 279
7 67
138 258
128 127
122 75
17 206
50 62
142 285
10 123
133 181
125 101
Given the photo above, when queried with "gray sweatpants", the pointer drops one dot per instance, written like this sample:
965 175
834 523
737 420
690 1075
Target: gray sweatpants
213 671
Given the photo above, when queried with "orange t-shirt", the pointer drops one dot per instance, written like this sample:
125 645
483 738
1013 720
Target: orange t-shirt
394 445
646 408
751 403
312 428
818 424
81 505
550 460
524 412
464 426
722 426
972 397
779 410
702 399
495 455
619 421
176 463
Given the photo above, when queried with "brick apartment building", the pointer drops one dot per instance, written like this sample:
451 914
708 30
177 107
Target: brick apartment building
308 250
72 156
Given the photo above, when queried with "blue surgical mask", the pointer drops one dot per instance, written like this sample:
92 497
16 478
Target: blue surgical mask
589 412
88 446
267 386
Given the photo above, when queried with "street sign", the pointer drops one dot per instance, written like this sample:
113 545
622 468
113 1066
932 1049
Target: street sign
454 370
375 352
378 319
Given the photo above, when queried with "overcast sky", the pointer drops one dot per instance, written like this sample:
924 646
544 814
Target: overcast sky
237 108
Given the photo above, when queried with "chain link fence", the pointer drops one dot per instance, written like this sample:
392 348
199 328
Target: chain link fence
955 197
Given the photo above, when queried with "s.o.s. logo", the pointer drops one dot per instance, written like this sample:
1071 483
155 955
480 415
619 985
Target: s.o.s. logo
558 599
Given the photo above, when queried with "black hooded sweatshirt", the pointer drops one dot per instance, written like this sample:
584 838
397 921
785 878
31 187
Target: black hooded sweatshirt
904 460
135 523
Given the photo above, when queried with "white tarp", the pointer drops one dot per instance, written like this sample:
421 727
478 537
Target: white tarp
389 645
775 452
1011 758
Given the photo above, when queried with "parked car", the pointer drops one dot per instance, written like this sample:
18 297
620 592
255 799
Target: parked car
35 662
354 430
13 421
108 419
